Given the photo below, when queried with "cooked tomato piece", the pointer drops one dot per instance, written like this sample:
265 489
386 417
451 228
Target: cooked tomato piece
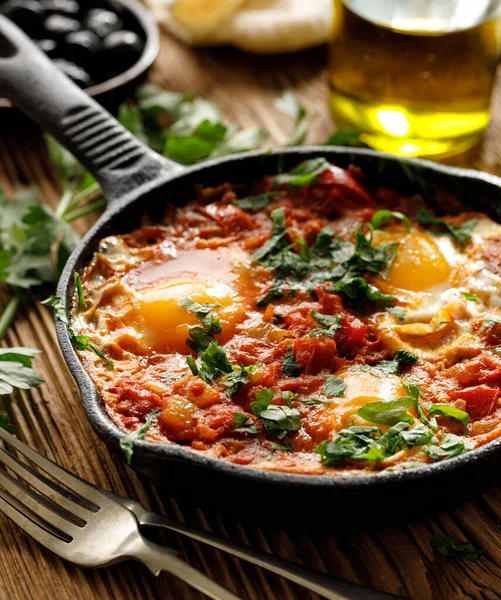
492 254
352 332
480 400
346 183
314 355
132 399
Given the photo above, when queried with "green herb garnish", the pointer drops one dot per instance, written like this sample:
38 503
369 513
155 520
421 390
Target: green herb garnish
277 420
289 366
81 303
243 423
127 441
460 234
449 545
334 386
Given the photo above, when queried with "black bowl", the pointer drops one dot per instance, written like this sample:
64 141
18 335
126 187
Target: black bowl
112 91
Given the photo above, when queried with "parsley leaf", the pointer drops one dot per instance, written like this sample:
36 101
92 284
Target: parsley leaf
6 424
489 323
289 366
450 445
56 302
358 291
289 105
334 386
446 410
237 379
449 545
81 302
405 357
385 216
277 420
278 232
460 234
81 342
396 311
330 323
315 401
354 443
204 313
284 447
127 441
16 371
387 412
346 137
214 363
255 203
469 296
243 423
304 174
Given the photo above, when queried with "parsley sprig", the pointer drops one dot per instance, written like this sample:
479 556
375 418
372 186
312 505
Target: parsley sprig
461 234
277 420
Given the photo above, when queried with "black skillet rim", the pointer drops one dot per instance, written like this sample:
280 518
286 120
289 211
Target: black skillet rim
150 52
154 454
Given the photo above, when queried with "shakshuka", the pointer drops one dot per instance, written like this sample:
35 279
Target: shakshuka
307 323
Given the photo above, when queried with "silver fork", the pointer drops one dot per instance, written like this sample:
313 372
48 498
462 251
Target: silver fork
91 527
80 523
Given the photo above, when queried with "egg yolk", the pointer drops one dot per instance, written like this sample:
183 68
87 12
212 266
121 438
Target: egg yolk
168 324
362 387
419 264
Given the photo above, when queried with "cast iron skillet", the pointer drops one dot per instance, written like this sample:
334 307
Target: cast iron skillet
137 181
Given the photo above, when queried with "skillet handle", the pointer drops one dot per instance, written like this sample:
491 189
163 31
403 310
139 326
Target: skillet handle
118 160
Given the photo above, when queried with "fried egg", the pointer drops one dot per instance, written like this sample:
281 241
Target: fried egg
204 276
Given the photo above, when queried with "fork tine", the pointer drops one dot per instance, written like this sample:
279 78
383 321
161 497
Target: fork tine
45 486
10 507
72 482
34 503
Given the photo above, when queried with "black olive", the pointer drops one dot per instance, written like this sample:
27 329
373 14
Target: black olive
28 14
59 26
102 22
82 47
122 49
68 8
77 74
49 47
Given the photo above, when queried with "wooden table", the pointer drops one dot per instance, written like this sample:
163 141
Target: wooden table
51 418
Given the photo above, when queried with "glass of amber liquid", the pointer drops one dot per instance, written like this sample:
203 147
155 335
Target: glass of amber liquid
415 76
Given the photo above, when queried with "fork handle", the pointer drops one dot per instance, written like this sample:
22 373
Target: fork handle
157 559
323 584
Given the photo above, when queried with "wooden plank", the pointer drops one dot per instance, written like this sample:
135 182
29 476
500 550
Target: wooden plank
398 560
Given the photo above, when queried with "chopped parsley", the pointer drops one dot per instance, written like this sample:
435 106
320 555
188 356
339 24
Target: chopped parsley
81 342
81 302
277 420
334 386
213 363
385 216
461 234
243 423
450 445
127 441
276 241
237 379
387 412
388 367
489 323
255 203
469 296
289 366
304 174
284 447
330 324
204 313
449 545
446 410
316 401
